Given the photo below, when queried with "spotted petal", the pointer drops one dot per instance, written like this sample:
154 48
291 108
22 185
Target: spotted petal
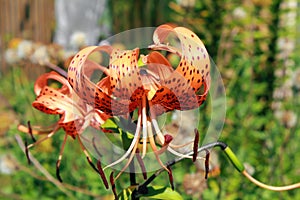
179 90
118 93
125 79
42 81
74 113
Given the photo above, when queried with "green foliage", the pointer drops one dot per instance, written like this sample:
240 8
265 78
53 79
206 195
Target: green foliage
153 192
160 192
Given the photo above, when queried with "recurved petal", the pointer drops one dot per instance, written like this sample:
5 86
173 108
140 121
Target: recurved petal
42 81
80 69
51 101
195 63
114 94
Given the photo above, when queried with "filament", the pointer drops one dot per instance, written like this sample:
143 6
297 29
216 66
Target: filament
144 116
134 141
129 161
153 146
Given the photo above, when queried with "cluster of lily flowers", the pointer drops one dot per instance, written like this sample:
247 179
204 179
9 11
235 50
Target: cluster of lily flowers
148 89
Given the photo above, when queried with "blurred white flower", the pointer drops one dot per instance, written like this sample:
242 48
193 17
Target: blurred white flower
276 105
78 39
7 164
11 56
40 55
289 4
283 72
289 18
278 114
286 46
104 42
296 79
279 73
283 92
239 13
187 3
24 49
288 118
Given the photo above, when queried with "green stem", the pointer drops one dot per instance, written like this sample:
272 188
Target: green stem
234 160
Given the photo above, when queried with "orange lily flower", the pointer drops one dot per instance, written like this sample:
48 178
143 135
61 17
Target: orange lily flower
153 89
75 115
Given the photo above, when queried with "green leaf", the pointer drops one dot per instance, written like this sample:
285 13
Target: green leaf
126 138
162 192
154 192
111 124
140 62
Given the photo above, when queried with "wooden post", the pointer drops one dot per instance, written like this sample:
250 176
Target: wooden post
27 19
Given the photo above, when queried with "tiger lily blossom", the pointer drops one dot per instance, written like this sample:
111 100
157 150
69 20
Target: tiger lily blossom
75 115
152 89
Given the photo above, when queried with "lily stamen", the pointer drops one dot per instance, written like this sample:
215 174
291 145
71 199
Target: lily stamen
60 157
144 116
30 131
129 160
132 145
168 140
153 146
44 138
196 143
170 146
36 130
141 163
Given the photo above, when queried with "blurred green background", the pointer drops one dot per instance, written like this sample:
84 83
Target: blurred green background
255 45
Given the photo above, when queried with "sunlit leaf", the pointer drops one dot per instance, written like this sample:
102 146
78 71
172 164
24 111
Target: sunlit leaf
161 192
